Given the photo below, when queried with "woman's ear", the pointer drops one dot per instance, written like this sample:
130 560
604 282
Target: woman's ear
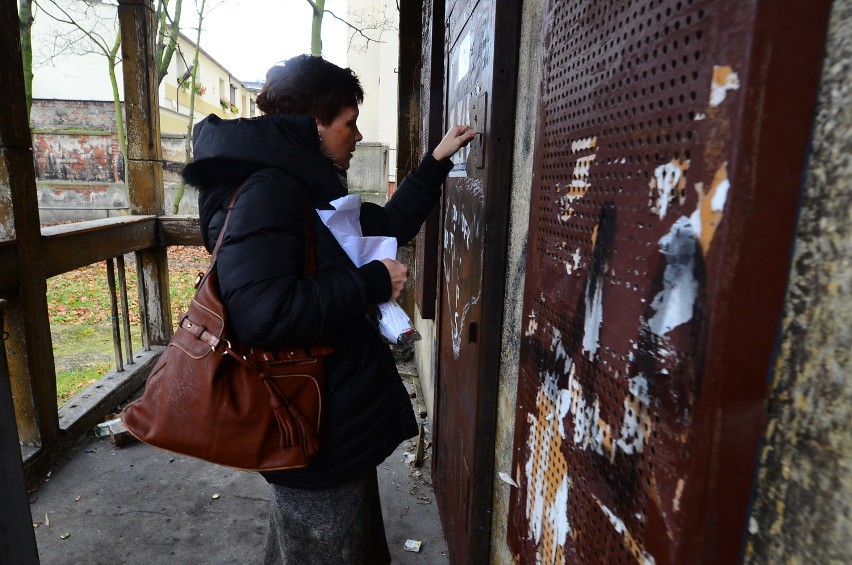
320 129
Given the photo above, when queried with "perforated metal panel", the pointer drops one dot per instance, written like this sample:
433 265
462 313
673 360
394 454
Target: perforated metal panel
639 411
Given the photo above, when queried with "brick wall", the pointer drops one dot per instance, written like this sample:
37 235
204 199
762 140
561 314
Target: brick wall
59 114
79 157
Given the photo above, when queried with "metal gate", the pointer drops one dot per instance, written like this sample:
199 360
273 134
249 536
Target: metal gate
480 89
663 204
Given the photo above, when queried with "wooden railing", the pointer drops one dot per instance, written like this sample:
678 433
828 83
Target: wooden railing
66 248
32 254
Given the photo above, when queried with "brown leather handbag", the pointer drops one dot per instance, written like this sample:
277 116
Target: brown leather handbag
244 407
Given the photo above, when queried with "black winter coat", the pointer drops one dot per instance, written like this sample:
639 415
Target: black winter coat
271 303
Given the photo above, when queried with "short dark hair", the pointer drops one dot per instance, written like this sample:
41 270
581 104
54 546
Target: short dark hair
309 85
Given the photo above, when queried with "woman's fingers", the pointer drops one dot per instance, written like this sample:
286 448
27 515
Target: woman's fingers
398 275
457 137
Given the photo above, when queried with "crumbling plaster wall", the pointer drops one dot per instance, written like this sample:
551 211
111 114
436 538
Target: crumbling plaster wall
529 81
802 510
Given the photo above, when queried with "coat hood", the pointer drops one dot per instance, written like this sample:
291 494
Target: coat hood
228 151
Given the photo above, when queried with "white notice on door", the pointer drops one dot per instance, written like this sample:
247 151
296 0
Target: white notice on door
464 57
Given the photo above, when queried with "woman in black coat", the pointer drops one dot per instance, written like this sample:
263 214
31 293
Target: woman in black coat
291 161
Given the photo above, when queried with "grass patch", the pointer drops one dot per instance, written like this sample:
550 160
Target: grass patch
69 383
81 319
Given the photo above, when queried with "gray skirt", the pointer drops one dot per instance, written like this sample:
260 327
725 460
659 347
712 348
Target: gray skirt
341 525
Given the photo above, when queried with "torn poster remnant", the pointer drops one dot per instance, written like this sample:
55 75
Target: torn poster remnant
724 79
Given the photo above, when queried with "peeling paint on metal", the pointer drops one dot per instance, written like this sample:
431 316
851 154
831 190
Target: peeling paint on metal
668 183
724 79
579 185
633 545
573 263
592 432
678 493
674 304
532 325
548 499
710 208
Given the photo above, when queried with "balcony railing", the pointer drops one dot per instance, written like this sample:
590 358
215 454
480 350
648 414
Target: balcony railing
64 249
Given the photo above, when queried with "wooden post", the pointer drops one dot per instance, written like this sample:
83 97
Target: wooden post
17 539
31 367
144 159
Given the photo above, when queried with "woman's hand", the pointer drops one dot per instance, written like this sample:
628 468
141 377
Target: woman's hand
456 138
398 275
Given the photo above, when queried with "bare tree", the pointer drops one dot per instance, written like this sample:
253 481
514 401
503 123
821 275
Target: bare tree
363 25
193 75
167 33
202 10
94 29
91 30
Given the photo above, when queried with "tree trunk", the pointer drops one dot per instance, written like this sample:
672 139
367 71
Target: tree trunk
316 26
116 99
25 15
166 44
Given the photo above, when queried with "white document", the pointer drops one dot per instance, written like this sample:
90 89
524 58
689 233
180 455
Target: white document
344 222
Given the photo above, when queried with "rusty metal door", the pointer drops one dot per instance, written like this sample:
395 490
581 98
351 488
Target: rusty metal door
670 144
470 296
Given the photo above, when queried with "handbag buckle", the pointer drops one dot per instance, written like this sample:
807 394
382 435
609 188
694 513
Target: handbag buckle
224 351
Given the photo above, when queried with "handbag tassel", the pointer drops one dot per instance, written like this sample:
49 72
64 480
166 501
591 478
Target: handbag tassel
308 438
290 419
285 423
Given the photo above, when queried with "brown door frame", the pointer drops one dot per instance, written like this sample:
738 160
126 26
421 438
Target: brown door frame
498 153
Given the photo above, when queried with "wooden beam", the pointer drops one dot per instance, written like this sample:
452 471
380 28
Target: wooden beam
144 159
72 246
17 540
31 366
9 277
179 230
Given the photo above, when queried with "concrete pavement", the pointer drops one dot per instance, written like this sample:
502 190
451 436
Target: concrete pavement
140 505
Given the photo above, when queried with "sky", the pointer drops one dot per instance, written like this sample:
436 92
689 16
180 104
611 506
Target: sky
249 36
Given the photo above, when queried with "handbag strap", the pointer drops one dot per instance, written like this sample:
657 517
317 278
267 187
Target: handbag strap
310 232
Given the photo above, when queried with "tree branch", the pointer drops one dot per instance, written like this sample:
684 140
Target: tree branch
315 7
356 29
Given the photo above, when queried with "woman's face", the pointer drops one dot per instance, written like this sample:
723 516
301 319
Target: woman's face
338 138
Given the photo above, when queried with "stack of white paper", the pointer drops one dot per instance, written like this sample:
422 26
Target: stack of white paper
344 222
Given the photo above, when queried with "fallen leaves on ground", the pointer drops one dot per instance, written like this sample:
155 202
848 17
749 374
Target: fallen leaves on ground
82 296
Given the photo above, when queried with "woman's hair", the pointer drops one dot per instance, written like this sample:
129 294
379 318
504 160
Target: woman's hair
308 84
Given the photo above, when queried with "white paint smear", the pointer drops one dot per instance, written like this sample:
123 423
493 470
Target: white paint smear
618 524
573 262
585 143
674 304
543 433
532 325
581 171
667 177
592 432
717 204
558 517
594 318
